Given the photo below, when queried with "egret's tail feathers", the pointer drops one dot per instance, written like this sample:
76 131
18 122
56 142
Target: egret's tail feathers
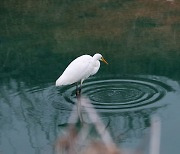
62 82
59 82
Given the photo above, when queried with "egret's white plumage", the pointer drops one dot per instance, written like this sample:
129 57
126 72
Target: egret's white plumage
80 69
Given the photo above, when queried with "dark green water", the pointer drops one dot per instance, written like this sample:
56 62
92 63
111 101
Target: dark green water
140 41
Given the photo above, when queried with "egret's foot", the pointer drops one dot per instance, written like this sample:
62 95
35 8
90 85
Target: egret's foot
78 92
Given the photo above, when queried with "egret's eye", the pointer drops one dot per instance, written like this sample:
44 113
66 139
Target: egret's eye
102 59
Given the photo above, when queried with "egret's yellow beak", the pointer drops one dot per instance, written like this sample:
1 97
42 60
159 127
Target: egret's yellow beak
102 59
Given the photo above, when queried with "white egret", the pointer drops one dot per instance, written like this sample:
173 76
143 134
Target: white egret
80 69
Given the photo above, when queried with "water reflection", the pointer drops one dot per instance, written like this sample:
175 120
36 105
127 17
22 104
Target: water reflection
28 123
32 116
129 128
135 134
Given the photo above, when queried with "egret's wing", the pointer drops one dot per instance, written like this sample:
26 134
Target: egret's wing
78 69
95 68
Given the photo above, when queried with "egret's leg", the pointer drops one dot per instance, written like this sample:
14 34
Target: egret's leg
78 95
76 86
80 88
81 85
78 91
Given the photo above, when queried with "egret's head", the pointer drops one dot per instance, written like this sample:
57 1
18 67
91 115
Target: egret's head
98 56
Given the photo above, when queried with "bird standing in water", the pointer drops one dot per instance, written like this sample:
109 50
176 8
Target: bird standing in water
79 70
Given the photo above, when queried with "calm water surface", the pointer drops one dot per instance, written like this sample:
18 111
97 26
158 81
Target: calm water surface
140 41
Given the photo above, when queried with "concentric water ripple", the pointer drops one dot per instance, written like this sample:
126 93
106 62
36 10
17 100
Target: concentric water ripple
119 93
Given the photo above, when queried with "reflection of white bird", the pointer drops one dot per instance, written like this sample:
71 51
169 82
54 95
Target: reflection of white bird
80 69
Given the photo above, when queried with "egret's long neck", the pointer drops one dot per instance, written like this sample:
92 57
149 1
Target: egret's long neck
95 60
95 57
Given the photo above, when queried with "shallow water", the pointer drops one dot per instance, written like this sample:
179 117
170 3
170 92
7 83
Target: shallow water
140 41
32 116
112 93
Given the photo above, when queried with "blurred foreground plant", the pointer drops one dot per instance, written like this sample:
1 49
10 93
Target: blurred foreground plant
78 141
